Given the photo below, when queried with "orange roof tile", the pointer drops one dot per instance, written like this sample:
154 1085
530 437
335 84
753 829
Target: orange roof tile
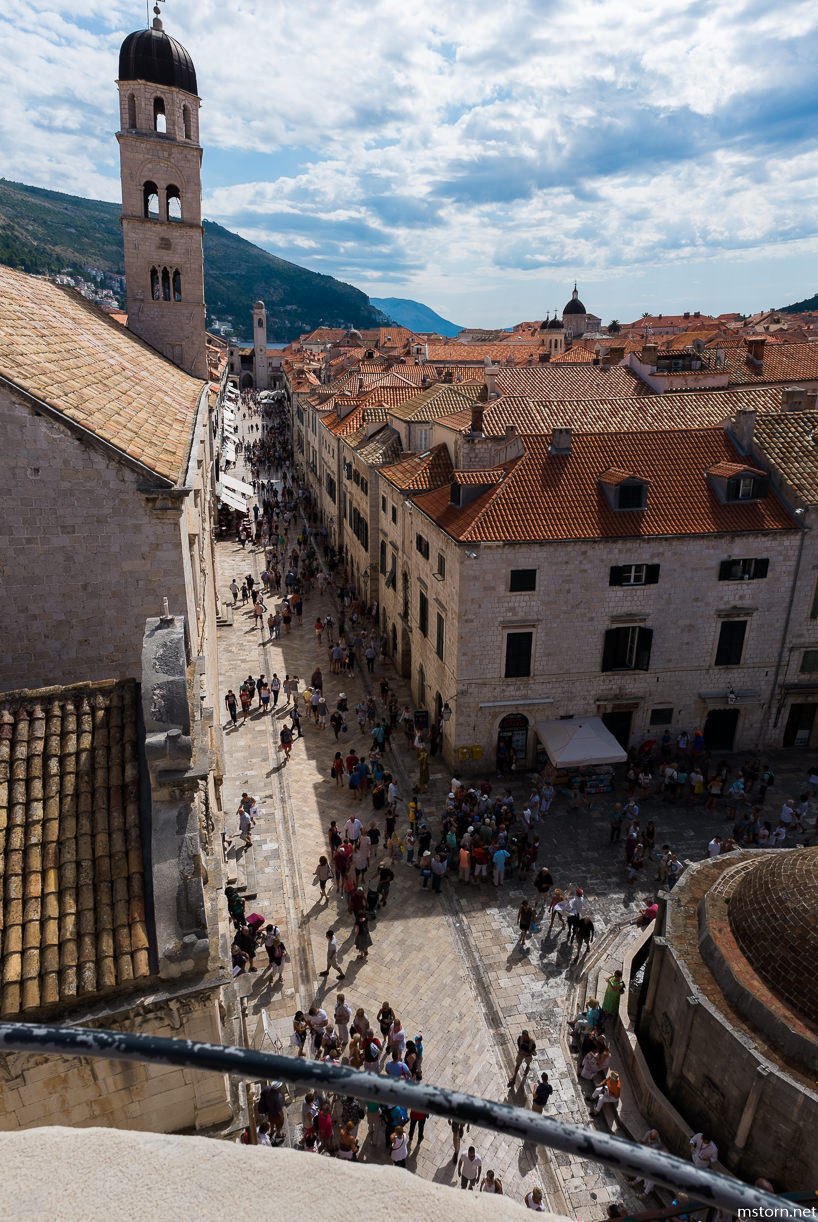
790 442
67 353
480 478
729 469
71 868
416 472
574 356
782 362
572 382
557 496
696 409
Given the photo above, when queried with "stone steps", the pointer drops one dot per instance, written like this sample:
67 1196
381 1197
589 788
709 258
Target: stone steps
241 869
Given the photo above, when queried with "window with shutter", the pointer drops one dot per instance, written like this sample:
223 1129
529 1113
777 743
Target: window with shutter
615 578
743 570
731 642
518 654
627 648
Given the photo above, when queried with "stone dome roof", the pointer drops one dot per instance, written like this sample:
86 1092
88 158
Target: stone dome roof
555 324
773 915
152 55
574 306
258 305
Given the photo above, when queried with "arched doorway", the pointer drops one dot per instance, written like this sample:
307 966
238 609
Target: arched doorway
246 381
512 741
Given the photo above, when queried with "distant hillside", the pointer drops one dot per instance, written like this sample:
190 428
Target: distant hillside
414 315
799 307
44 232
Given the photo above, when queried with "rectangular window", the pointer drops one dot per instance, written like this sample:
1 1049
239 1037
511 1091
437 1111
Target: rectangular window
394 514
422 439
441 565
634 575
383 557
422 546
731 642
631 496
440 636
809 662
522 581
661 717
627 648
743 570
383 504
423 613
356 479
813 614
518 654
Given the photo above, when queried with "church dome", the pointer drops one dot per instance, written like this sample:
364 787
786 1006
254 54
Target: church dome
773 915
555 324
574 306
153 56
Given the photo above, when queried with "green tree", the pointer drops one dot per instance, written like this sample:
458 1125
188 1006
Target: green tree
614 326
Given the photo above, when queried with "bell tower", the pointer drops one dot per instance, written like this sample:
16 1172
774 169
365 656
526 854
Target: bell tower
161 171
260 363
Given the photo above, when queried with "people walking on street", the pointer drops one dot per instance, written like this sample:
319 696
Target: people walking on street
232 705
332 955
470 1167
526 1048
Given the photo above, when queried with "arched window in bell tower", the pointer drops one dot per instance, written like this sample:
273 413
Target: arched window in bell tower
165 284
186 122
177 286
131 112
160 123
150 201
154 284
174 201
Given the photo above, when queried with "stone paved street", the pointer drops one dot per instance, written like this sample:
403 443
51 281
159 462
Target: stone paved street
450 965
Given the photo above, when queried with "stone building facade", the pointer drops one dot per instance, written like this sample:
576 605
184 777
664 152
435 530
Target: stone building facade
110 510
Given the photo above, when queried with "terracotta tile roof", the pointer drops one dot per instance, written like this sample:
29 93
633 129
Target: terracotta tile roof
346 425
514 350
394 337
64 351
376 413
697 409
572 382
440 400
790 442
479 478
549 496
417 472
389 396
729 469
382 448
615 476
71 865
574 356
782 362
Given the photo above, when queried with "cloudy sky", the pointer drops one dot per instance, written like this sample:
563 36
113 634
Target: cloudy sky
475 156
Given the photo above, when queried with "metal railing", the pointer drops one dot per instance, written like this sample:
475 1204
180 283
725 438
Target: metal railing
626 1157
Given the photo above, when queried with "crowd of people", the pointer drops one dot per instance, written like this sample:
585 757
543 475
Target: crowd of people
480 837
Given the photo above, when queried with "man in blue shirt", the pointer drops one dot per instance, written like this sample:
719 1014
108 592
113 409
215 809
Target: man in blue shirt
396 1068
499 859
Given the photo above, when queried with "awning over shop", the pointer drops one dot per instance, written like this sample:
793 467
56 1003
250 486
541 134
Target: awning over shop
237 485
229 450
579 742
232 499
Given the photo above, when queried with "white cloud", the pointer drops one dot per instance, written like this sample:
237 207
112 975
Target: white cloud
467 150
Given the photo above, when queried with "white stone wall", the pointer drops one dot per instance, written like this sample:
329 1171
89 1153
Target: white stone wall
124 1095
85 558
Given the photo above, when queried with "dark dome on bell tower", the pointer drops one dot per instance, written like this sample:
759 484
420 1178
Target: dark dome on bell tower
153 56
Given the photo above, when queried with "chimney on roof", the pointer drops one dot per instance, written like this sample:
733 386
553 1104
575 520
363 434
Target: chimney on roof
650 354
425 380
477 410
755 349
561 439
616 354
491 372
697 313
360 386
793 399
687 313
744 423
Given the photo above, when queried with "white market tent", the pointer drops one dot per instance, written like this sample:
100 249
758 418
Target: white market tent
579 742
232 499
237 485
